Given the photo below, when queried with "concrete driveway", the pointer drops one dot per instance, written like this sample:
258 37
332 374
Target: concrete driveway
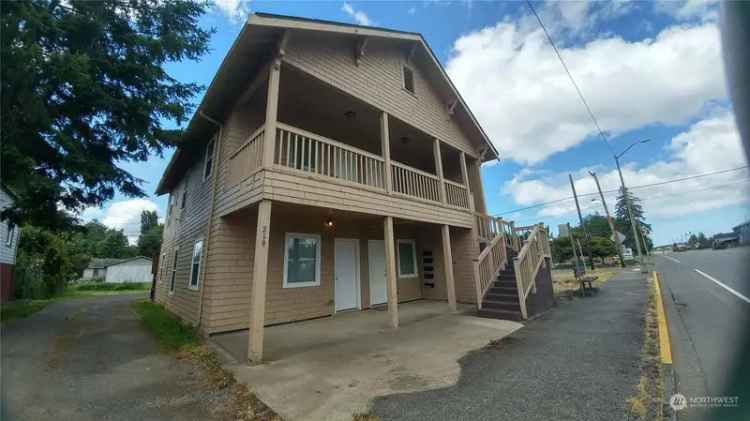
90 359
331 368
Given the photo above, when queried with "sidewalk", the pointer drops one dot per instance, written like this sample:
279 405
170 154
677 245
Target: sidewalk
579 361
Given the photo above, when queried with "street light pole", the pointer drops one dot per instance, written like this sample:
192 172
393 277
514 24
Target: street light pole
633 222
615 235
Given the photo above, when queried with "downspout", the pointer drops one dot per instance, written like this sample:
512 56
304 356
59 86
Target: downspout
209 224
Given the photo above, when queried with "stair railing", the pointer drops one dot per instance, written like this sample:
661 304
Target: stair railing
527 263
490 262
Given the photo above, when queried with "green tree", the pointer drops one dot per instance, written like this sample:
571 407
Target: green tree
622 220
602 247
84 89
561 249
149 242
148 219
43 265
597 226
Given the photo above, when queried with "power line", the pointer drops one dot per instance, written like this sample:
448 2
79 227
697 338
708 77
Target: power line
572 80
642 186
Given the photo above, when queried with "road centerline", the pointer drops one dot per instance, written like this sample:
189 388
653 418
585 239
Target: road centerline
719 283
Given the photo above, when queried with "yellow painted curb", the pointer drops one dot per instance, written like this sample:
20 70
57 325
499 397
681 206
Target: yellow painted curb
665 346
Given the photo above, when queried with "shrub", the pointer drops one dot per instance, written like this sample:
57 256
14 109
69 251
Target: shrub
101 286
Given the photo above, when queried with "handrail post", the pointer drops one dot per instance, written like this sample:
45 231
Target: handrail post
385 148
439 167
272 108
477 284
520 288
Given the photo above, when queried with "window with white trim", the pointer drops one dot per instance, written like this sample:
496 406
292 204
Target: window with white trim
174 271
11 233
301 260
184 199
195 265
407 258
209 162
408 79
163 266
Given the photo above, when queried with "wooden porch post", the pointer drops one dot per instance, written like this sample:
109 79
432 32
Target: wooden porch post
258 290
385 147
465 177
390 270
450 283
439 167
272 109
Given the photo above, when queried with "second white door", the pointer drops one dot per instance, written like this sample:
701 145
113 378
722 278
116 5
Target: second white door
376 258
346 275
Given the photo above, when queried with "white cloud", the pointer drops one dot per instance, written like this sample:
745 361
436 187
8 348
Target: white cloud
529 108
359 16
122 215
235 10
709 145
683 10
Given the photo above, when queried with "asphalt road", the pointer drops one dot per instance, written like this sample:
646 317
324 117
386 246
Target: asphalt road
90 359
707 298
578 361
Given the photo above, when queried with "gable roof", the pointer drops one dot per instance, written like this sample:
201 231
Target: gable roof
100 263
260 34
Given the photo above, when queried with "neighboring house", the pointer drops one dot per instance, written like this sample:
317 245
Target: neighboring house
334 167
136 269
743 232
9 236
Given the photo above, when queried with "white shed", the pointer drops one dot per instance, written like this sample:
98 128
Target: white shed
136 269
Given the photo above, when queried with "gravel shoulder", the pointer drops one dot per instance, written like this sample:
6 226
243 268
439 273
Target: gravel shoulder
90 359
579 361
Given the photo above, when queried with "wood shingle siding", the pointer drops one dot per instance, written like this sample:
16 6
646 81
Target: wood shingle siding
378 80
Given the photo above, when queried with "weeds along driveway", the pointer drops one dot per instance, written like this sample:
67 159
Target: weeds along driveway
90 359
579 361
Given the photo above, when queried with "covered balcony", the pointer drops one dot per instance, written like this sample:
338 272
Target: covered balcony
323 134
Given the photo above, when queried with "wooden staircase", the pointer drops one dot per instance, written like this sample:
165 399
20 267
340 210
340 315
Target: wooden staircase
501 299
506 268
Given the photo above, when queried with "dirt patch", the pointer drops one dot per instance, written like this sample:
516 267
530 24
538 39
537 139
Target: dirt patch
646 404
564 283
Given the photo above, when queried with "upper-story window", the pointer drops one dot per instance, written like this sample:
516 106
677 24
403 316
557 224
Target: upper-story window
184 199
209 163
11 234
408 79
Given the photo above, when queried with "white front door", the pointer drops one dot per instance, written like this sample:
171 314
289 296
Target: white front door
346 276
376 258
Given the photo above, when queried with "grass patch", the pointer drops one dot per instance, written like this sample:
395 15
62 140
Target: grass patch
125 286
564 281
21 309
170 331
646 404
364 417
184 341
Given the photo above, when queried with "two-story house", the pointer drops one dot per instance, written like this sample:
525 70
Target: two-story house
333 167
9 236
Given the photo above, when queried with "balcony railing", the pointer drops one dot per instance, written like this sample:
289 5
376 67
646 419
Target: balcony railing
246 159
456 194
299 150
413 182
307 152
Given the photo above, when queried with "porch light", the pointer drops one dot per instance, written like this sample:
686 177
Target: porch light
329 223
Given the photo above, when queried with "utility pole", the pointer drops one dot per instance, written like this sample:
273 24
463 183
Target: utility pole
615 235
633 222
583 226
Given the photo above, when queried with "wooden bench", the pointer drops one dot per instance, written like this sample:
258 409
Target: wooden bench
587 286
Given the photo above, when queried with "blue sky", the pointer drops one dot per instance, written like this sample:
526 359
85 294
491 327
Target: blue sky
648 70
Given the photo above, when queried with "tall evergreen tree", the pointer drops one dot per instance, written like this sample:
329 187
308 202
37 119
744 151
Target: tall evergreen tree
84 89
622 220
149 242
